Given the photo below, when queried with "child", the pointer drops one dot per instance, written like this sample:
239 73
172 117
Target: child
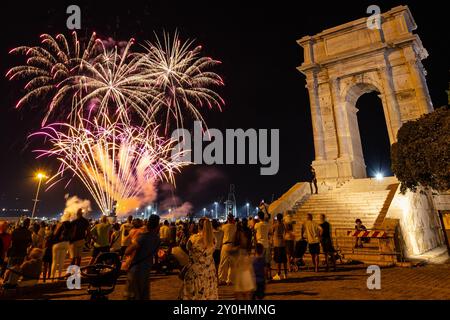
259 265
26 274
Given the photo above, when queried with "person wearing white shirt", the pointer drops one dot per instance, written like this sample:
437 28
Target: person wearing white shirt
313 233
226 255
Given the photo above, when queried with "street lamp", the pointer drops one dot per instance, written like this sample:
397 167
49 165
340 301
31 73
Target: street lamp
248 208
39 176
204 212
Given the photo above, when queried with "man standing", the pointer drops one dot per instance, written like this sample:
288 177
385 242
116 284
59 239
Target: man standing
313 180
142 250
100 234
226 255
125 240
164 233
79 232
327 243
262 233
313 233
20 241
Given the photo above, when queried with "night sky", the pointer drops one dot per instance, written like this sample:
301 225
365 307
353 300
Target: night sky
257 46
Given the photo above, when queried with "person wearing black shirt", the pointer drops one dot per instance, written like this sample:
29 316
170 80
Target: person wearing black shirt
20 241
327 243
79 231
142 250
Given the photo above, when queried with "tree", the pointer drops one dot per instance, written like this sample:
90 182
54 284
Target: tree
421 155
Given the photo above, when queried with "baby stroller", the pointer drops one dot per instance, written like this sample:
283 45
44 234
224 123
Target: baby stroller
102 275
299 252
166 260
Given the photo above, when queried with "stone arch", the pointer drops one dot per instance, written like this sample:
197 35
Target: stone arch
344 62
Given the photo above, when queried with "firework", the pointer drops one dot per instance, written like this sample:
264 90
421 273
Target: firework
115 85
116 162
181 79
49 67
162 84
102 92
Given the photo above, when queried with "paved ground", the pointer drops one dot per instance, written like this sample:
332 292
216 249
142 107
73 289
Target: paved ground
349 282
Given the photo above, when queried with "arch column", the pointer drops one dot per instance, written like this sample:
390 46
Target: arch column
316 118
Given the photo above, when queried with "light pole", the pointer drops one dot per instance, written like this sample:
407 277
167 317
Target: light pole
248 208
204 212
39 176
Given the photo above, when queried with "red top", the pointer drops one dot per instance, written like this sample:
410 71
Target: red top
6 239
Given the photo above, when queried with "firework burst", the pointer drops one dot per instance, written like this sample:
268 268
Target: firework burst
181 78
102 92
48 68
115 85
115 163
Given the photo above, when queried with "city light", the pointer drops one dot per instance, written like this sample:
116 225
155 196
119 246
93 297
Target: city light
379 176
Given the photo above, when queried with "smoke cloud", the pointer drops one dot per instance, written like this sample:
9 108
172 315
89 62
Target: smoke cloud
73 204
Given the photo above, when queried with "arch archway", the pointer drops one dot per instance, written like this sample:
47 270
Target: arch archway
347 61
373 134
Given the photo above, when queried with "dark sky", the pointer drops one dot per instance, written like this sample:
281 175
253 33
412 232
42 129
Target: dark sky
256 43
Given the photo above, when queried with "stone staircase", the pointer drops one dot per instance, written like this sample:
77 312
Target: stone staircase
366 199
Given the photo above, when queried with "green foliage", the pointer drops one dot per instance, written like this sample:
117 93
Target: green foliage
421 155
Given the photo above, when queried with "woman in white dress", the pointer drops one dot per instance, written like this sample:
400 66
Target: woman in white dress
200 280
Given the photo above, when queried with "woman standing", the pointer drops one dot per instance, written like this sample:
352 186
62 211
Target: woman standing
244 278
200 280
60 247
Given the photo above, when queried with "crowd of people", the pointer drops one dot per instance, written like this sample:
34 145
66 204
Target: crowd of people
239 252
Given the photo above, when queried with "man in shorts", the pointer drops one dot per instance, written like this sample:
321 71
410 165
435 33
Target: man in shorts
313 233
101 233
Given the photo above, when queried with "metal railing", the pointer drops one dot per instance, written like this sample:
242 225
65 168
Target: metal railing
371 242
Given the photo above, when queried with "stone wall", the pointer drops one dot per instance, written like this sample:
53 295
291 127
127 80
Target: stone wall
419 223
